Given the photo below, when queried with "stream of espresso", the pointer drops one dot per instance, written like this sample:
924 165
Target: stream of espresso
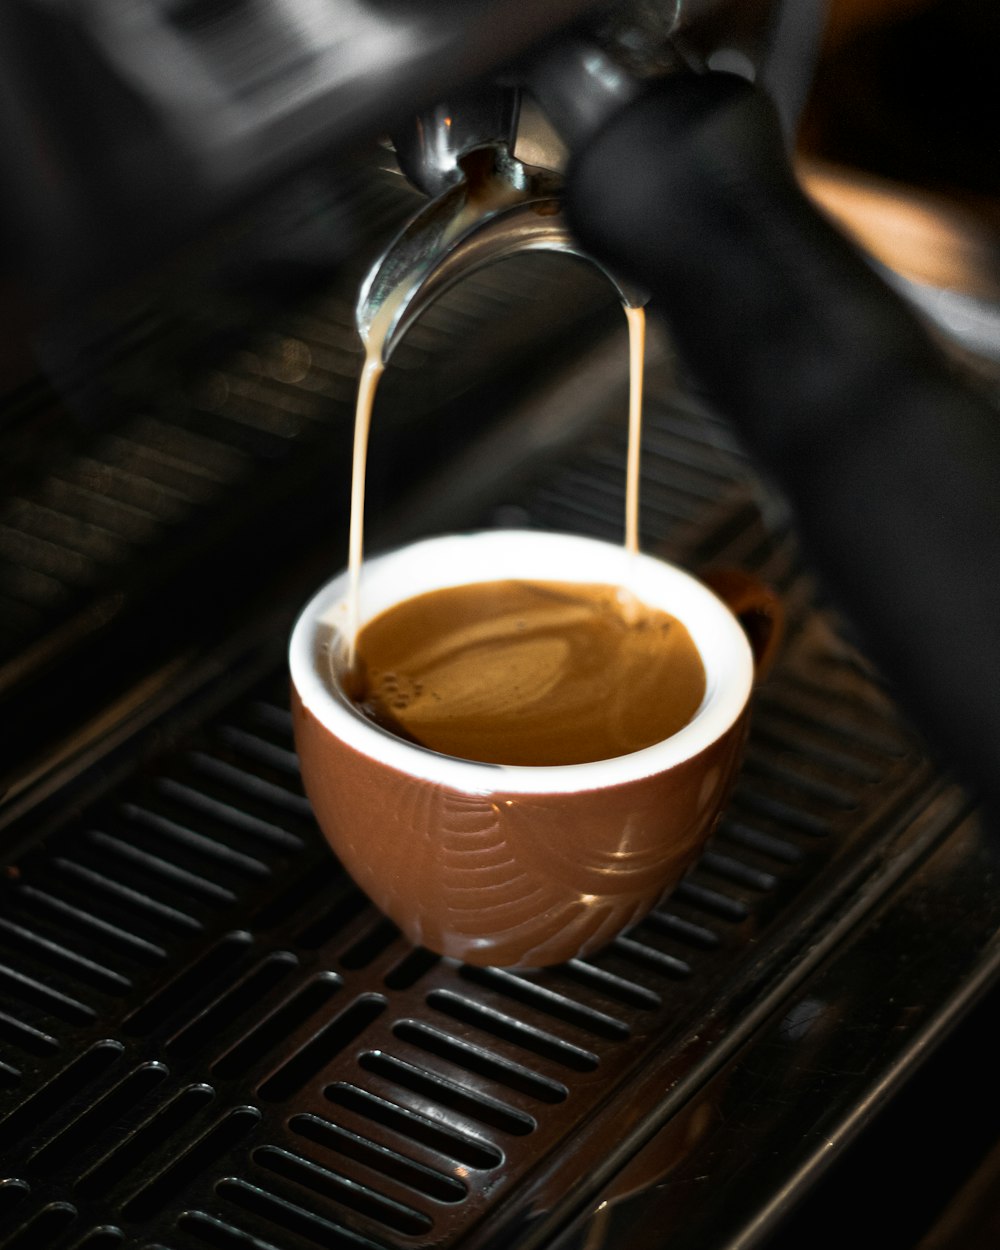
371 372
636 362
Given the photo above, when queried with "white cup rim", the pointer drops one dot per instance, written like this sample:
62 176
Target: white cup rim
492 555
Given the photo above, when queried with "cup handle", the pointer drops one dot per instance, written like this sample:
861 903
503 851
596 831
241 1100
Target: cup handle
759 610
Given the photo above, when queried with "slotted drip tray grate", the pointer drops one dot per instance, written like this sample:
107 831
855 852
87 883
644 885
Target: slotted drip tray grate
212 1039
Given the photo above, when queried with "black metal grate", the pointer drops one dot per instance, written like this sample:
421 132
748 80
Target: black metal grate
210 1038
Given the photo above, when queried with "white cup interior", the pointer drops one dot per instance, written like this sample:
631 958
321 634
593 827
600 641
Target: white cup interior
317 645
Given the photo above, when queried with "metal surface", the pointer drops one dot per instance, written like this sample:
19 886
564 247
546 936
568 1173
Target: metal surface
190 110
429 150
504 212
579 87
840 1047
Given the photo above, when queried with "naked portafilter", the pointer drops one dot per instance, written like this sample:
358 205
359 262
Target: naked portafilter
494 191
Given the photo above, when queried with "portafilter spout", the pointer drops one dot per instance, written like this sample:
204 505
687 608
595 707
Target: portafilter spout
483 219
487 206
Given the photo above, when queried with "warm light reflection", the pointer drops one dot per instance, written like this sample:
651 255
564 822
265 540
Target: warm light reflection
920 237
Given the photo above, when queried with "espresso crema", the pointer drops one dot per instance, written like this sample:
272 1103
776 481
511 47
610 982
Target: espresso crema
528 672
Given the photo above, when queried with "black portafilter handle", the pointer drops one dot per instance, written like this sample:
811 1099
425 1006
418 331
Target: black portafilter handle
891 463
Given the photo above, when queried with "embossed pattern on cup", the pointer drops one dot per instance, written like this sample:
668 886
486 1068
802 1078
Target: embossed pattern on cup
514 865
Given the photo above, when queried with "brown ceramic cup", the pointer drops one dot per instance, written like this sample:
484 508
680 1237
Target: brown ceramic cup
522 866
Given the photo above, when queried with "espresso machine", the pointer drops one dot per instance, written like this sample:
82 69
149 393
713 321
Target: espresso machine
209 1036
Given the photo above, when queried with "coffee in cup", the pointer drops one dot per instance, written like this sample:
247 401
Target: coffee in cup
527 672
514 863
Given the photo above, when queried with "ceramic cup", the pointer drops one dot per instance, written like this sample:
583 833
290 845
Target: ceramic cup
522 866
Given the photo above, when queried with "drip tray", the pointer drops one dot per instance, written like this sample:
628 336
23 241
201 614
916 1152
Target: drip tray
212 1039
